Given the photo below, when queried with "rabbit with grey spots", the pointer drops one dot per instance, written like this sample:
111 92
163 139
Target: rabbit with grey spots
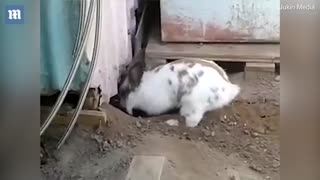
192 85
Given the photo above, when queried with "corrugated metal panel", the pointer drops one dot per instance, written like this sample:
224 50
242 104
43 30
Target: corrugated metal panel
59 23
216 20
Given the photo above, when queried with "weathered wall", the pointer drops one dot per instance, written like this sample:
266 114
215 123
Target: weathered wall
216 20
115 44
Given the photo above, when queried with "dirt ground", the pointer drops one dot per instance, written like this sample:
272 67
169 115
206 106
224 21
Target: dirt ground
238 142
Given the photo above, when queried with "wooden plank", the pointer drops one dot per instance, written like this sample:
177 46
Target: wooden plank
217 52
87 118
146 168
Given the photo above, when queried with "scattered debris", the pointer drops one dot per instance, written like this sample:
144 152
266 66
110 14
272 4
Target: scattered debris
172 122
97 138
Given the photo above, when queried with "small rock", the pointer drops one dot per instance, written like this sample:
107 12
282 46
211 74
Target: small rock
138 124
246 131
247 156
206 132
223 119
207 127
277 78
260 129
119 144
254 134
172 122
276 164
185 133
213 133
105 146
229 129
97 138
233 177
133 144
256 168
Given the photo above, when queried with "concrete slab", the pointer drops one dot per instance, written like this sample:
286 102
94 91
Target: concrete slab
146 168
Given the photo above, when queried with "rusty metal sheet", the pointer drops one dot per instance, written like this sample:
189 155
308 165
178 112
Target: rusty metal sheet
220 21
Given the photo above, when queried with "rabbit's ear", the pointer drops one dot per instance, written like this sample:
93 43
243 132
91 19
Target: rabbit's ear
135 73
136 69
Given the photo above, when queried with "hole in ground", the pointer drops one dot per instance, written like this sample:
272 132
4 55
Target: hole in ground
115 102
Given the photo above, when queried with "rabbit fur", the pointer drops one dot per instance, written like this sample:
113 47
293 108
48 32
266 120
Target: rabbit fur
193 85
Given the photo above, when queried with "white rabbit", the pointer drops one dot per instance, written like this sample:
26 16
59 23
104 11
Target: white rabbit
191 84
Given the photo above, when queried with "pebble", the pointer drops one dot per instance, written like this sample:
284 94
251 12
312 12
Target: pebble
213 133
277 78
229 129
172 122
254 134
185 133
138 124
276 164
233 175
119 144
206 132
246 131
256 168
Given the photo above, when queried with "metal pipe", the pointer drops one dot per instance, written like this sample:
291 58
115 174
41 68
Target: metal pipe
90 74
80 25
71 75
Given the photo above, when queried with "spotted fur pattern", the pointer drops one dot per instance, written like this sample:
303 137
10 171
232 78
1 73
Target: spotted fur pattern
193 85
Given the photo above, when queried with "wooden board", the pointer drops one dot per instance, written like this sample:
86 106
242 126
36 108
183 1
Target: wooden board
265 53
146 168
86 118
